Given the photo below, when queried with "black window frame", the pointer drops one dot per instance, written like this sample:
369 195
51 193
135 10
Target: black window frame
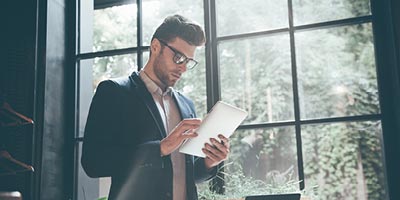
386 64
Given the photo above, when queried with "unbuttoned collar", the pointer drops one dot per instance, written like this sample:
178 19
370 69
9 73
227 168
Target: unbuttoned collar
152 86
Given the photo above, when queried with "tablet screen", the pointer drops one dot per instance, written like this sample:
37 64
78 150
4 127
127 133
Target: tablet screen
222 119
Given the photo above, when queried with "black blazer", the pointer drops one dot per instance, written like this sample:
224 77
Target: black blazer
122 140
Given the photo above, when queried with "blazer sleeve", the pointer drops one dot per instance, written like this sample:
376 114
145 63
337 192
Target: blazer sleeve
200 171
104 153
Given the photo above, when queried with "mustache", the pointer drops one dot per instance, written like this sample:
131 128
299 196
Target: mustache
179 74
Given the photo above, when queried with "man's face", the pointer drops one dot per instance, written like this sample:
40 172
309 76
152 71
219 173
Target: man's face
166 70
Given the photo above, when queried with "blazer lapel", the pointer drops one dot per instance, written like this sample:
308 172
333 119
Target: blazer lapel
183 107
148 100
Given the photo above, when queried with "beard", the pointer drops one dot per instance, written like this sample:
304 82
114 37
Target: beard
162 73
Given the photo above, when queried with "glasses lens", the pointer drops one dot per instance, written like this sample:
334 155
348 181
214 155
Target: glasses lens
191 64
179 58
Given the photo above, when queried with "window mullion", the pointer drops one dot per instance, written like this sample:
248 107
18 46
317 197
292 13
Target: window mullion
139 34
296 96
212 68
212 74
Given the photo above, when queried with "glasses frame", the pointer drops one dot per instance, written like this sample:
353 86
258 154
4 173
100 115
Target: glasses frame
179 57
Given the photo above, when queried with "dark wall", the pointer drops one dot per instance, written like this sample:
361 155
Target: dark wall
33 81
18 40
396 26
386 36
394 155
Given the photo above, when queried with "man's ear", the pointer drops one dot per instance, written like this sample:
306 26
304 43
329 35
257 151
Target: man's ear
155 46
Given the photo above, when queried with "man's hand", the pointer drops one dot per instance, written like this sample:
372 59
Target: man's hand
182 131
217 152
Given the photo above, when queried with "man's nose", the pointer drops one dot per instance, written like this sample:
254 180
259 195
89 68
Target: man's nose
182 67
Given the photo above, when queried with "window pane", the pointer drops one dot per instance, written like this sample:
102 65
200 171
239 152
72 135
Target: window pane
262 161
337 73
344 160
93 71
237 16
85 36
145 55
112 28
154 13
193 84
313 11
90 188
256 76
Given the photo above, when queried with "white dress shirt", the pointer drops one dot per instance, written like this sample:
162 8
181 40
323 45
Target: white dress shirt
171 117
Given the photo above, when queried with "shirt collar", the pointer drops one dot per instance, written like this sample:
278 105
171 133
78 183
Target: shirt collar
152 86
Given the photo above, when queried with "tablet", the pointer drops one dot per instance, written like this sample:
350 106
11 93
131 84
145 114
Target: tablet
222 119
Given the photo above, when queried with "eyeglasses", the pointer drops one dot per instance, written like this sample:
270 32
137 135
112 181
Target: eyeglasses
180 58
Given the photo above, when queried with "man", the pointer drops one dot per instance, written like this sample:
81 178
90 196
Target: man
136 124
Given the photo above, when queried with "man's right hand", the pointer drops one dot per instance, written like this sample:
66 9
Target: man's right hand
184 130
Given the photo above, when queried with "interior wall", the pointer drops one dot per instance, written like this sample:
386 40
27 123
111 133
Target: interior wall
386 37
17 69
394 155
33 81
396 28
396 24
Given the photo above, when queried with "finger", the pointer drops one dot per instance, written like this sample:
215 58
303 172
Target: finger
191 121
187 135
224 140
219 155
187 124
210 155
219 145
183 129
222 137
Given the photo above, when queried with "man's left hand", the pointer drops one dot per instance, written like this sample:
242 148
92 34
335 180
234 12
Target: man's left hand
216 152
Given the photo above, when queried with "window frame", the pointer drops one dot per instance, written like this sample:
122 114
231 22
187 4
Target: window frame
213 76
383 43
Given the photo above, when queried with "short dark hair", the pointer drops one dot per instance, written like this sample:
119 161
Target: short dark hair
179 26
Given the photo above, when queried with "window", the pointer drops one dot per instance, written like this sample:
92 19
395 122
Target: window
303 69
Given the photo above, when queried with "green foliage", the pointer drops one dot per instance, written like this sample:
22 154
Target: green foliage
238 186
341 158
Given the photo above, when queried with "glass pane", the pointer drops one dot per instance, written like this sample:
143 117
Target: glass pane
154 13
313 11
193 84
344 160
93 71
237 16
85 36
145 56
337 72
112 27
262 161
256 76
90 188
